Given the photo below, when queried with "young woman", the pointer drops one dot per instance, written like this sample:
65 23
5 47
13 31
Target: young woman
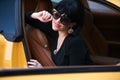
63 25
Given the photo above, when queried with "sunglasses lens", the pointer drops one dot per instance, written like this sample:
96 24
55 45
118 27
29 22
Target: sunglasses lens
56 16
65 20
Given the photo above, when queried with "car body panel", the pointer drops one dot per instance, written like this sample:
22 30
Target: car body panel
116 2
71 76
63 73
12 54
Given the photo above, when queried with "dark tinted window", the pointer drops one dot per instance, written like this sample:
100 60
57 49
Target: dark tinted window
10 19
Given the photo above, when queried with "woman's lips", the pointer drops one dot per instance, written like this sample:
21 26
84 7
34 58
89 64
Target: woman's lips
56 24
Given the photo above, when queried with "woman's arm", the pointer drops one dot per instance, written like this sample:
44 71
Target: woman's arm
43 16
37 19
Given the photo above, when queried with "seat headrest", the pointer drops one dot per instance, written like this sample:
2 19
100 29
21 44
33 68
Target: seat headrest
85 4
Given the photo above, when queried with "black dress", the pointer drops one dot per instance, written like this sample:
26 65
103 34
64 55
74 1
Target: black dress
73 51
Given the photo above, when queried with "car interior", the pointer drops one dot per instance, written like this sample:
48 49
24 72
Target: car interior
100 31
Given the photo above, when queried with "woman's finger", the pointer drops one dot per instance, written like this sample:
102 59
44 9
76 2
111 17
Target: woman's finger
34 63
33 60
46 17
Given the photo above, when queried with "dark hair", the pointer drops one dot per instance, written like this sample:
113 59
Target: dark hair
74 10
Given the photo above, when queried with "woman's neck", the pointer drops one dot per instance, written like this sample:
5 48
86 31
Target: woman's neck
62 34
61 37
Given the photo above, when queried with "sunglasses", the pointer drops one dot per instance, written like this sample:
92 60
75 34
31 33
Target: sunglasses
63 17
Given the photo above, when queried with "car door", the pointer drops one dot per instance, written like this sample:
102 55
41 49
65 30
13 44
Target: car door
12 49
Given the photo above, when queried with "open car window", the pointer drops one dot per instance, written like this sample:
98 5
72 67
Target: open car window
101 40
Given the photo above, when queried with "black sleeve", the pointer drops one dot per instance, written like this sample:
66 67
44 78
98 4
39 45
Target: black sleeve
78 53
45 27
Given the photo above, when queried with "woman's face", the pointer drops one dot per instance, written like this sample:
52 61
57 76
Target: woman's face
60 22
58 26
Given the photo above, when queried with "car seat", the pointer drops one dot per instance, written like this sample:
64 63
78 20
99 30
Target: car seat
38 41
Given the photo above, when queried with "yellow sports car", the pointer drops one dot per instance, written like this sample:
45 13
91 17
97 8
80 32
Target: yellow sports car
101 32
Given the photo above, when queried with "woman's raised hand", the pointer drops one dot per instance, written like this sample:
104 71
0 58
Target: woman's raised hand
43 16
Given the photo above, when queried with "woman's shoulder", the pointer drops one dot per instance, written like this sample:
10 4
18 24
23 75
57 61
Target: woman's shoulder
76 40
